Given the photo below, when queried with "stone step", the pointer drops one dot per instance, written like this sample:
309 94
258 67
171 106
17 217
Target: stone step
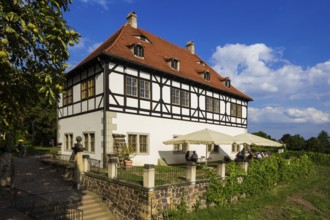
93 207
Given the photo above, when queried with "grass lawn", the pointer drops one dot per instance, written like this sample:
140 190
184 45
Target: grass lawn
305 199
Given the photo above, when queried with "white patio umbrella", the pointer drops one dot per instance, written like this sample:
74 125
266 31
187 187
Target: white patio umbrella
205 136
249 139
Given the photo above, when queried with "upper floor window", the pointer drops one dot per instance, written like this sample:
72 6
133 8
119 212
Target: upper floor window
207 75
227 83
235 110
131 86
68 96
144 89
180 97
139 50
212 105
88 88
175 64
135 87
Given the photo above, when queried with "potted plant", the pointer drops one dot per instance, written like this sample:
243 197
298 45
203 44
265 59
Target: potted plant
128 154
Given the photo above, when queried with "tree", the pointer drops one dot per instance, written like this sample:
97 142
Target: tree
313 144
324 139
34 39
295 142
263 134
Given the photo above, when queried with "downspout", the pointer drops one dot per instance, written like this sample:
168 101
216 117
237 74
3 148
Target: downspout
105 108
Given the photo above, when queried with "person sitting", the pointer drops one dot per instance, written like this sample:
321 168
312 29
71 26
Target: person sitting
187 156
194 157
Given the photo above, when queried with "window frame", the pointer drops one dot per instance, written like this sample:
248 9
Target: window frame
212 104
138 50
144 89
207 76
175 64
236 110
136 145
89 141
131 86
180 97
68 141
87 88
67 96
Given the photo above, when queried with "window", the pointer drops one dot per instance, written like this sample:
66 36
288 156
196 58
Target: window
227 83
182 148
138 50
89 141
68 141
234 147
138 143
184 98
175 96
144 89
68 96
180 97
133 86
175 64
212 105
207 75
87 88
143 143
209 147
235 110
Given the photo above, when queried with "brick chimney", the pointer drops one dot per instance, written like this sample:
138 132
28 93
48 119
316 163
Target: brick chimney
132 19
190 47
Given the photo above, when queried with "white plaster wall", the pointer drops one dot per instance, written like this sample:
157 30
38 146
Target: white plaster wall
160 129
91 122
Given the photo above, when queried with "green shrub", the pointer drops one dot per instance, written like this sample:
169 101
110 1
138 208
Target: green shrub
317 158
262 175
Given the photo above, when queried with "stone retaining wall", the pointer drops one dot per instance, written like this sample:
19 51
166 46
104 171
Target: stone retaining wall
130 201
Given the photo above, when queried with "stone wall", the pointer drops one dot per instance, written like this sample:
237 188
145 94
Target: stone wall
129 201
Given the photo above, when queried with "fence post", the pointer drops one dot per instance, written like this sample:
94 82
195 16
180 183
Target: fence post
112 168
149 176
79 166
221 169
86 163
245 166
191 171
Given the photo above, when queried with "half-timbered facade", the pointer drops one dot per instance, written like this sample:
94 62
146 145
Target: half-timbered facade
142 86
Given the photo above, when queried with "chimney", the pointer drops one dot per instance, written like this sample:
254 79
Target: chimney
190 47
132 19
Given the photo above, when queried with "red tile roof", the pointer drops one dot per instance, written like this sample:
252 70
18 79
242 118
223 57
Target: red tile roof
157 51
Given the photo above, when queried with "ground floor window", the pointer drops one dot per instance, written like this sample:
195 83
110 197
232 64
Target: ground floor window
68 141
89 141
180 148
139 143
234 147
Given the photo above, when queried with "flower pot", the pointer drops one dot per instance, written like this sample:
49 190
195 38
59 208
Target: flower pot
128 163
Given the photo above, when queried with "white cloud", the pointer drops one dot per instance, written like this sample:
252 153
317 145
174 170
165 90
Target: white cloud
260 71
288 115
103 3
92 47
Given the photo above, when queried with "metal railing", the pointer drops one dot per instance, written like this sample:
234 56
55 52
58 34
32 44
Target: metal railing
94 165
169 175
43 208
132 174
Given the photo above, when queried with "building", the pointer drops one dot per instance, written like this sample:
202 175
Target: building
150 90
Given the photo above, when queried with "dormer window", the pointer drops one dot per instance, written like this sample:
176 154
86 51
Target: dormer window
175 64
201 63
227 82
207 75
143 38
139 50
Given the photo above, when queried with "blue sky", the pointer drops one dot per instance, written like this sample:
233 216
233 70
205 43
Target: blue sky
277 51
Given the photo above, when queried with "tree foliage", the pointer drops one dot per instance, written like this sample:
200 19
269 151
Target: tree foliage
34 39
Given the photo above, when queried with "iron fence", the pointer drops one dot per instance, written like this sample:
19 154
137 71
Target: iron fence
170 175
43 208
95 166
132 174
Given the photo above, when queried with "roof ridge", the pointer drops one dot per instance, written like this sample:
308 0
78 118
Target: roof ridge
118 37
